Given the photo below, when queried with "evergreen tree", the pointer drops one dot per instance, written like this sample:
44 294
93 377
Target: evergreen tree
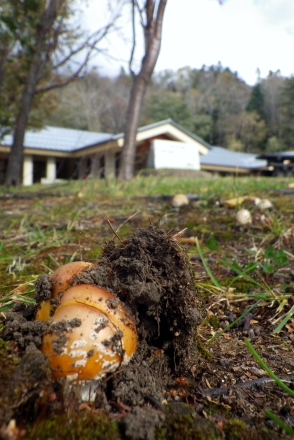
168 105
287 112
256 101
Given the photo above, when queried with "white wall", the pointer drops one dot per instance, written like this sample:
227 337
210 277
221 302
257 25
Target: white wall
173 155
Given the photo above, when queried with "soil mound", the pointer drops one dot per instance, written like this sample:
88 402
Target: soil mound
150 273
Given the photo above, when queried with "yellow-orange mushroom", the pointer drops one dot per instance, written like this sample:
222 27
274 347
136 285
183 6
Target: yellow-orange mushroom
61 279
62 276
90 334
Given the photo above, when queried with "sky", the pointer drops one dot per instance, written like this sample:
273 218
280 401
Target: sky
244 35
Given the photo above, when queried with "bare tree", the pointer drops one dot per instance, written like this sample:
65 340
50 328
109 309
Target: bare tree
151 16
51 44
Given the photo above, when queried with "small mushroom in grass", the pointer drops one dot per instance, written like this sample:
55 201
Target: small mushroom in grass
243 217
61 280
265 204
179 200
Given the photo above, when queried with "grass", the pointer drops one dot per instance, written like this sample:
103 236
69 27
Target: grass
281 384
272 260
212 277
33 226
158 185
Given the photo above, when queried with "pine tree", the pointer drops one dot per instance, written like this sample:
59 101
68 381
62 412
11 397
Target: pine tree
287 112
256 101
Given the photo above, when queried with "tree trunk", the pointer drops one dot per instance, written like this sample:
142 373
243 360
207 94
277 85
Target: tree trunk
14 169
127 163
152 34
51 31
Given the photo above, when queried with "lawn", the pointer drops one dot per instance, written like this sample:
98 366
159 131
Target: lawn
241 383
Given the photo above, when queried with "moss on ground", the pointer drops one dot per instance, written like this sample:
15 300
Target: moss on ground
236 429
183 423
74 426
203 352
213 321
240 284
226 235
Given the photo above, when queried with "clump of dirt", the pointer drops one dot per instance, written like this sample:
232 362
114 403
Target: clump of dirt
43 288
25 384
140 424
151 274
21 327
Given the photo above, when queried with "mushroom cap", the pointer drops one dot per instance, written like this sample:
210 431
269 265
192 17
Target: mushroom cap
179 200
91 334
243 217
265 204
62 276
61 280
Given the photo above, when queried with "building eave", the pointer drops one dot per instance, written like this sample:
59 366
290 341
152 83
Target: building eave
227 169
168 129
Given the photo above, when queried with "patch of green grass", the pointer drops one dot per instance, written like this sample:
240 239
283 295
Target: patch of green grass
229 186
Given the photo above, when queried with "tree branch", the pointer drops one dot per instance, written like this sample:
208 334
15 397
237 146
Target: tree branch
69 79
134 39
101 34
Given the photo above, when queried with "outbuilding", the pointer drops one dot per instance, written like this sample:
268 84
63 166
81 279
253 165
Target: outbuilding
280 163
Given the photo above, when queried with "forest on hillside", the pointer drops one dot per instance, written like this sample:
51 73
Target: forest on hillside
211 102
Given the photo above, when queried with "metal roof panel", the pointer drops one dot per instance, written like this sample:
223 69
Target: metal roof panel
60 139
69 140
220 156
